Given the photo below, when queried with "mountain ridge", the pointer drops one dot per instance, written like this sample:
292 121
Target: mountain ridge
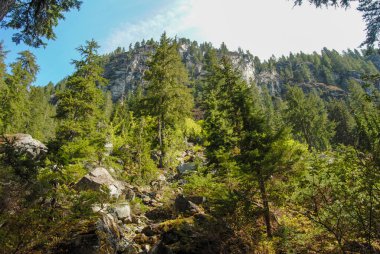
329 72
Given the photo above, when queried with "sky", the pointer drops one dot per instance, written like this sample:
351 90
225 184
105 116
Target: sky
264 27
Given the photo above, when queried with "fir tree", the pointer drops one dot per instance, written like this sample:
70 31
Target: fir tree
81 120
16 104
308 117
168 99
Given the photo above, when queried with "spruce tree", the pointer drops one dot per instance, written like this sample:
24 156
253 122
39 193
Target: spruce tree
3 88
41 121
81 118
16 104
308 117
168 99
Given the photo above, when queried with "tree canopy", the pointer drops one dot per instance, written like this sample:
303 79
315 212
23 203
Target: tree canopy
34 20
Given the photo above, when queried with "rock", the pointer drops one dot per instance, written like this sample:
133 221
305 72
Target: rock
184 206
96 208
130 249
151 230
159 214
108 147
123 212
125 70
24 144
146 199
198 200
85 243
100 177
186 167
130 195
108 225
146 247
160 248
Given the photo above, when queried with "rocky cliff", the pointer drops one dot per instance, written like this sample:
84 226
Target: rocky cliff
328 72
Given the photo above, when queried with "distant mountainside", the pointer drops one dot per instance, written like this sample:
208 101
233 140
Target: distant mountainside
329 71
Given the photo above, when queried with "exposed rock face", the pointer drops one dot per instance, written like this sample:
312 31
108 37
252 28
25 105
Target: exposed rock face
125 70
271 81
24 144
97 178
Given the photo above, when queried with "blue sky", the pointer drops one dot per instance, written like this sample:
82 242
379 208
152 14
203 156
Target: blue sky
264 27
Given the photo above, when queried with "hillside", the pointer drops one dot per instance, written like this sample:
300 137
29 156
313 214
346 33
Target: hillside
327 71
175 147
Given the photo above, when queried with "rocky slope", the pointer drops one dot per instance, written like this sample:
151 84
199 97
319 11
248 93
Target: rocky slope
152 219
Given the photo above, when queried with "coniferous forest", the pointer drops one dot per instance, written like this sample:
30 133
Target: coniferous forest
201 149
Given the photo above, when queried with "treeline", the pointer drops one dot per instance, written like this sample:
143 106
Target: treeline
25 108
295 174
328 66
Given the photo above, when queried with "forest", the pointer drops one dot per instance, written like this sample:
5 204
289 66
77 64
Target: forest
192 160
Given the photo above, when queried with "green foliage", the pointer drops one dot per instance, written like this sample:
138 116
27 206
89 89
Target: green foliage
16 104
308 117
34 20
41 124
273 192
192 130
336 193
345 130
206 186
81 129
133 138
366 112
168 99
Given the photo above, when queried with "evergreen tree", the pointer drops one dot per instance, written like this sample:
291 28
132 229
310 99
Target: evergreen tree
168 99
345 129
16 104
81 120
3 87
34 19
222 117
308 117
41 121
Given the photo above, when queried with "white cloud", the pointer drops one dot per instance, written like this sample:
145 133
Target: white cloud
264 27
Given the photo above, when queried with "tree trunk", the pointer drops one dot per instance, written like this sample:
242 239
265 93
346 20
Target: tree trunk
160 141
5 7
264 199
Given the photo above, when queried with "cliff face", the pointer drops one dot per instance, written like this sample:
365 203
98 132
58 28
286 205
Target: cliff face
125 70
329 72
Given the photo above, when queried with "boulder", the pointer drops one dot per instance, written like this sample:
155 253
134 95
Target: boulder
198 200
24 144
123 212
186 167
97 178
184 206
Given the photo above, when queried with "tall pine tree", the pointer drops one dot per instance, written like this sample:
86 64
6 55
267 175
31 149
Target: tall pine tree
81 120
168 99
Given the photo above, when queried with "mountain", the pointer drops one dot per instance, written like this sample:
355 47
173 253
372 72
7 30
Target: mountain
329 72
